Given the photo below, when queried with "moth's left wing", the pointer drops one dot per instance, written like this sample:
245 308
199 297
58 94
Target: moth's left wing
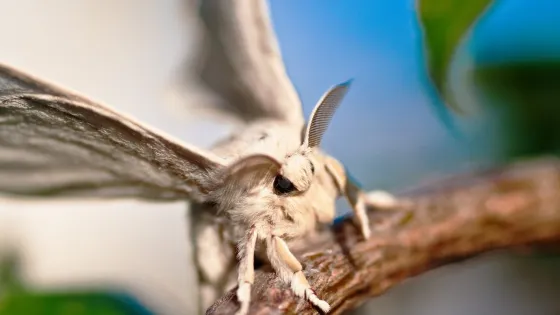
55 142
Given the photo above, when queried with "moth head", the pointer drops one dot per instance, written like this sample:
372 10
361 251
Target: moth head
296 174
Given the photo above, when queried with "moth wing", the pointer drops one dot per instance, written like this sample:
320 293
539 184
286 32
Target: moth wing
238 60
55 142
322 114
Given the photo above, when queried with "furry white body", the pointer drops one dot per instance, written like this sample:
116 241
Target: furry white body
216 239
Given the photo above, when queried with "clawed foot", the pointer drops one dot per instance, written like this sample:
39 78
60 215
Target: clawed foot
301 288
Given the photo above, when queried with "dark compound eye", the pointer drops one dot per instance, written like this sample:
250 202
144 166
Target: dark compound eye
282 185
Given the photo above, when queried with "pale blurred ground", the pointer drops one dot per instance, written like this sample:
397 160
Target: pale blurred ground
124 53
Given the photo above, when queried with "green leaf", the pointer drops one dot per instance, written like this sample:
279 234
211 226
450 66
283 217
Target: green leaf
71 303
444 25
525 97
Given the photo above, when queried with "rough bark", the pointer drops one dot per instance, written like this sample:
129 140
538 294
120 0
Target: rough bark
439 223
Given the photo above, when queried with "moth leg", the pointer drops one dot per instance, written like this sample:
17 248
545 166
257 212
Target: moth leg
361 201
246 270
351 191
358 199
289 269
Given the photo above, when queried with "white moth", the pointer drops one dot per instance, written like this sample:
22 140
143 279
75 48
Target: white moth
252 193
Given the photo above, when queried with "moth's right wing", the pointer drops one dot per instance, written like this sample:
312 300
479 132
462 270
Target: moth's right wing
55 142
239 61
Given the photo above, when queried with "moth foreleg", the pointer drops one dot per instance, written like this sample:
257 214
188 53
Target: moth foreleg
358 199
361 201
246 271
289 269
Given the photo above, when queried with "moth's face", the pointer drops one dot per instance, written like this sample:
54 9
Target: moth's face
303 192
289 199
295 176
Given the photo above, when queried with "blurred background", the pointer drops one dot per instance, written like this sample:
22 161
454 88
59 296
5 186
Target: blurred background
128 54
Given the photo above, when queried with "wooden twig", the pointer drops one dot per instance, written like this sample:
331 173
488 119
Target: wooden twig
441 223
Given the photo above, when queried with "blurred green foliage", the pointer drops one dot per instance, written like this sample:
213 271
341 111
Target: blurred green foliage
444 24
521 96
526 95
16 299
70 303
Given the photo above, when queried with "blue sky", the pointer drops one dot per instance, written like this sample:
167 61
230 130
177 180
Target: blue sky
374 42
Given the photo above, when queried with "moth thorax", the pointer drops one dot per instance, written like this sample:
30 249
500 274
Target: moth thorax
299 170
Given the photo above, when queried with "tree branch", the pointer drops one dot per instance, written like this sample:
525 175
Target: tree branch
440 223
